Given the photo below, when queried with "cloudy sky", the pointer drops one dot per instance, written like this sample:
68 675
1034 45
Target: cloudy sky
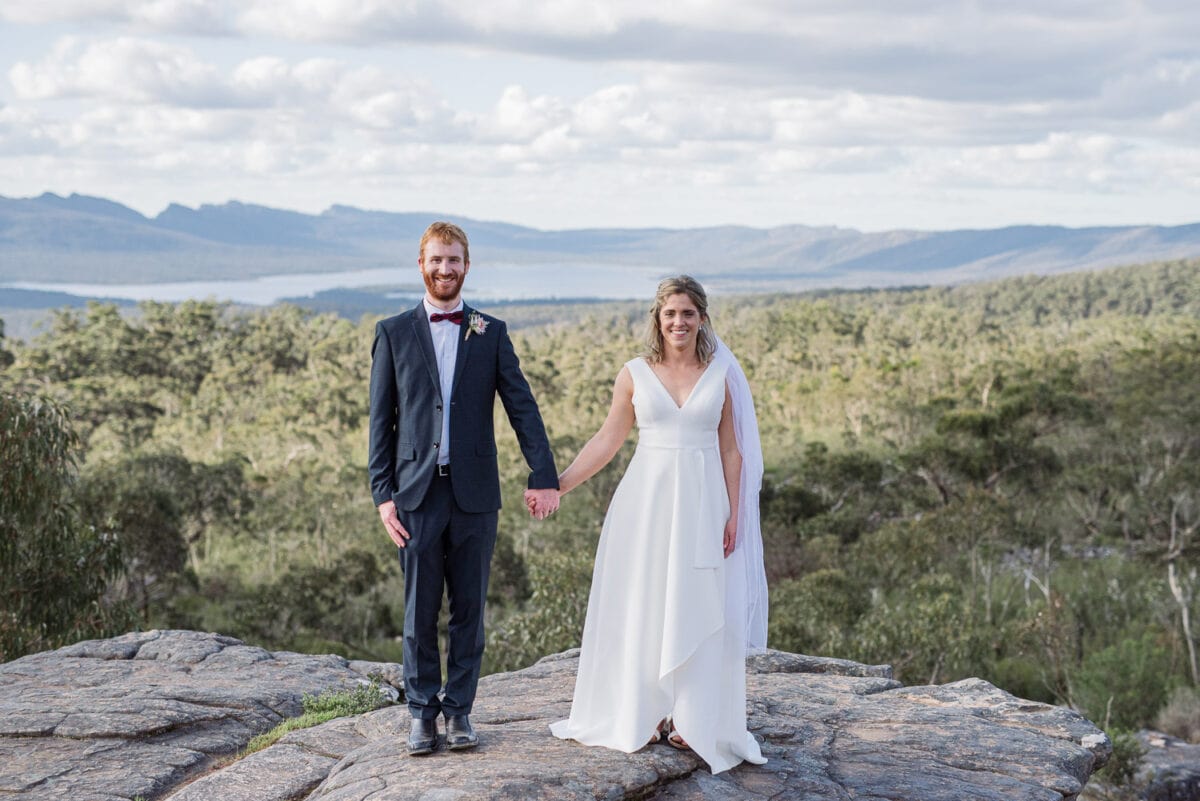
930 114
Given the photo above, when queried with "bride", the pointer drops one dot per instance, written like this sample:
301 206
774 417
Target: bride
678 593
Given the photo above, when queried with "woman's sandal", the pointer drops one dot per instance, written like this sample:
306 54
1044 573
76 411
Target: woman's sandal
660 732
673 738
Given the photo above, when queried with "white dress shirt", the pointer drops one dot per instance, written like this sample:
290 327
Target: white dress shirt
446 336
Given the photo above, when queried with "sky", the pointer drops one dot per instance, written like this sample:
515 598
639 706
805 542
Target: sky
561 114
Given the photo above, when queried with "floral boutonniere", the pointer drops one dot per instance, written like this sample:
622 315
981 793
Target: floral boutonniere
475 325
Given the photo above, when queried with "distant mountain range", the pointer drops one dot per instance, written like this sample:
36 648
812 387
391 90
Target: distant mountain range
53 239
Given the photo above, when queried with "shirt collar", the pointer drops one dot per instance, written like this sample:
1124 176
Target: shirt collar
430 308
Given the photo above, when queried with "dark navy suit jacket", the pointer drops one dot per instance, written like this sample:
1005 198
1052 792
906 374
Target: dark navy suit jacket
406 413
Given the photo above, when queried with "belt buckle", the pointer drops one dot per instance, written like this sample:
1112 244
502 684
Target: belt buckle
443 470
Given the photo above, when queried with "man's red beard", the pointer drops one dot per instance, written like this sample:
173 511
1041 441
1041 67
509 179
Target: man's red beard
442 291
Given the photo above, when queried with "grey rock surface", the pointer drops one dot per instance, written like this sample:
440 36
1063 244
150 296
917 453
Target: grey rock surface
140 714
830 729
1170 770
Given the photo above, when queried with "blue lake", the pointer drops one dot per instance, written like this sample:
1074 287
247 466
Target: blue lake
491 282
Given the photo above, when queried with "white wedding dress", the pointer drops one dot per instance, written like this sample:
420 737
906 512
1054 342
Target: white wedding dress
656 643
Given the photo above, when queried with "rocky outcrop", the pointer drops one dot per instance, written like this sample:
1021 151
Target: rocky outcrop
136 716
1170 768
152 714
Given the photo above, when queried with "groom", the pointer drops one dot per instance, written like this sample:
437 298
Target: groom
435 374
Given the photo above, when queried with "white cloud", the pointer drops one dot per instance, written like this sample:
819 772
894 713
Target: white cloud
125 69
958 51
1061 161
196 17
145 73
63 10
519 117
690 99
1158 88
621 115
267 79
206 17
361 21
1181 126
23 133
571 18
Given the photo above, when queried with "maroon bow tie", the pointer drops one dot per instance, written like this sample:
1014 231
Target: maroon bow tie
454 317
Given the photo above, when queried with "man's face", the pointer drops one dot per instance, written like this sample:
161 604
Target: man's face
443 268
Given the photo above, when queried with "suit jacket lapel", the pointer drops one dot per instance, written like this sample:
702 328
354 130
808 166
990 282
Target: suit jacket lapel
464 345
420 323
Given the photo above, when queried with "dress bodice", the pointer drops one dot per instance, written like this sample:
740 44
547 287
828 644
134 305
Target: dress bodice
664 424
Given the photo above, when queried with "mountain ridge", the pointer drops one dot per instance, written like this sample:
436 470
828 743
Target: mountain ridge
51 238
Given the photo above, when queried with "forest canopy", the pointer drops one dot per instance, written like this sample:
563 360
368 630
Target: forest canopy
996 480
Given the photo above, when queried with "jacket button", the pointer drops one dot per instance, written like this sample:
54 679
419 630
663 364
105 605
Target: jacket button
437 445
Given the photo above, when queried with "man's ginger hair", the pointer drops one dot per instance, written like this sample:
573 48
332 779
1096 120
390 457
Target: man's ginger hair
447 234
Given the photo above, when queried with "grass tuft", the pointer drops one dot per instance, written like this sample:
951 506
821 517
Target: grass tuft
323 708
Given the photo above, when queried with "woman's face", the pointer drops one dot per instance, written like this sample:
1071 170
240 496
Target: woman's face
679 320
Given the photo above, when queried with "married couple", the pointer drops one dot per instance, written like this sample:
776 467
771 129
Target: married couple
679 593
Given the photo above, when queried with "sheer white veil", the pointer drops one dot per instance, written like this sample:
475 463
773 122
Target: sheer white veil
745 575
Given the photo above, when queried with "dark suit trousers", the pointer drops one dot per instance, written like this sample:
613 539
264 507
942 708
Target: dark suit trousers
448 548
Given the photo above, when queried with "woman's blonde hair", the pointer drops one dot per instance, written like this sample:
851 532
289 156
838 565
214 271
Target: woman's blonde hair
706 340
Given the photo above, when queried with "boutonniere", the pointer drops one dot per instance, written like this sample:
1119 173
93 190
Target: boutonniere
475 325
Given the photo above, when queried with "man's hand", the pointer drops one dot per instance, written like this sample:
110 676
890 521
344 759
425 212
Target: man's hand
541 502
395 530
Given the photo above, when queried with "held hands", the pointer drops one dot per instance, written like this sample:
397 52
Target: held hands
541 502
391 521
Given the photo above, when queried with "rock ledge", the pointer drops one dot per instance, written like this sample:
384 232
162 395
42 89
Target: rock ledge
150 715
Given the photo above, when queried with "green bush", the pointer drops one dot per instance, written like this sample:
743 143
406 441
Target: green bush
816 613
924 631
335 607
552 619
6 358
1022 677
1123 685
1119 774
54 569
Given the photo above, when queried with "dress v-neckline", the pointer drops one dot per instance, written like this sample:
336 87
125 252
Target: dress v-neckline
678 406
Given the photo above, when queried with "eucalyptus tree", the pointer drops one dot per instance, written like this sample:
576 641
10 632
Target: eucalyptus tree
54 569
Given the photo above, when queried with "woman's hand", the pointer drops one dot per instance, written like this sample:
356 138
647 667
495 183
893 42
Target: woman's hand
730 536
